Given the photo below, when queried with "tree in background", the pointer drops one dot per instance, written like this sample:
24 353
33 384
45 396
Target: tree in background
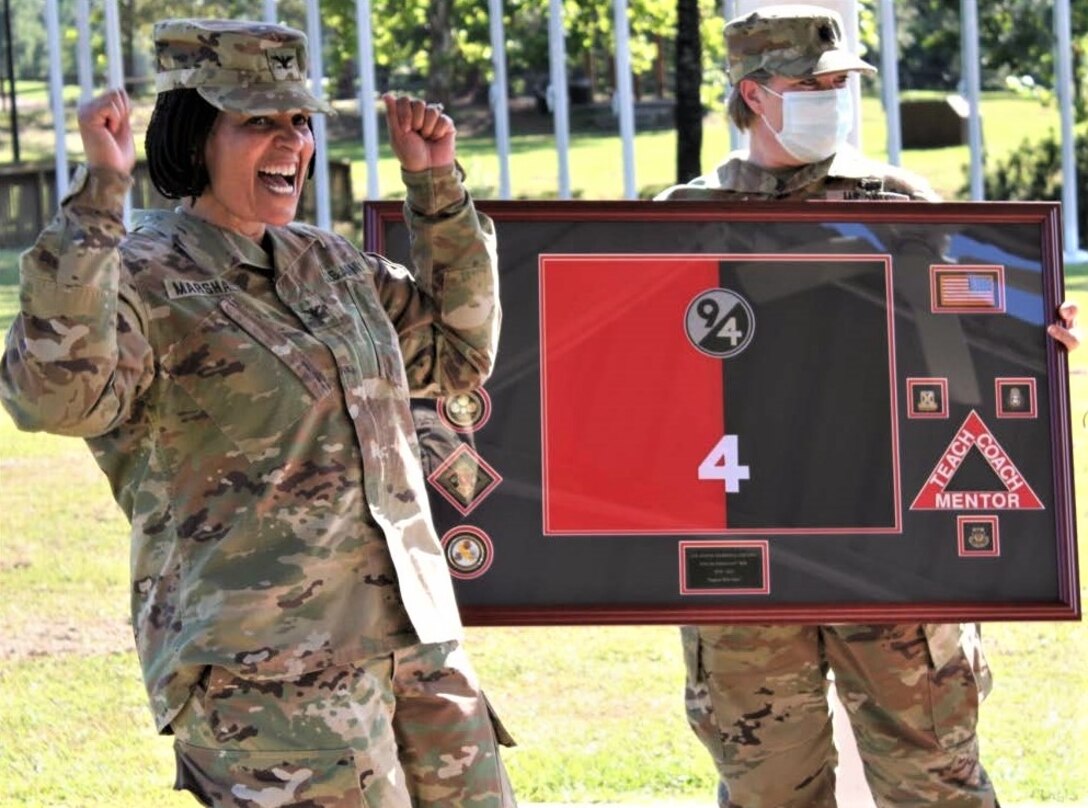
1033 173
440 75
1016 35
1019 41
1016 38
689 102
442 48
448 41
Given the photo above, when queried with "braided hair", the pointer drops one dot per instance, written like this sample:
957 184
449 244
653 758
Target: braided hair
176 136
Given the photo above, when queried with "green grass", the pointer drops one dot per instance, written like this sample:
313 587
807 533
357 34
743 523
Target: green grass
1076 283
596 158
9 285
36 93
597 711
595 163
78 733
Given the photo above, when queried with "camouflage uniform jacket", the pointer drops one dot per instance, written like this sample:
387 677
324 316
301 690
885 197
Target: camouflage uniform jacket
252 416
846 175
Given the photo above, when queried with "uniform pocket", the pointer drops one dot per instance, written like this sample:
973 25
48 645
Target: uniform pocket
251 381
281 347
378 331
219 777
954 690
698 705
502 736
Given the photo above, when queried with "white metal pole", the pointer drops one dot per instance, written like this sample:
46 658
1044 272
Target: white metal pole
558 93
270 11
317 72
367 109
115 68
1064 62
971 81
56 97
499 95
737 138
115 71
625 96
83 50
848 10
889 79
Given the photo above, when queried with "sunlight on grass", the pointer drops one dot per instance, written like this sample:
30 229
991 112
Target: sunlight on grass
596 159
576 697
85 732
597 711
1017 721
1076 282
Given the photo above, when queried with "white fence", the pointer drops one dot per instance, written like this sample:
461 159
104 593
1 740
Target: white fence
624 98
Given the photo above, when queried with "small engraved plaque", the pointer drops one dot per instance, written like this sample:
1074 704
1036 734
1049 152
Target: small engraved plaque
739 568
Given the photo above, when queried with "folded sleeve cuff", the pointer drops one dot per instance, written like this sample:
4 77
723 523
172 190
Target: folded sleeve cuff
100 189
435 191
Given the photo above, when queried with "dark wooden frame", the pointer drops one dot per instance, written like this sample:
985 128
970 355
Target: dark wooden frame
1030 227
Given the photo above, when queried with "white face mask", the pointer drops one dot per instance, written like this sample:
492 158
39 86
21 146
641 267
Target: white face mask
815 123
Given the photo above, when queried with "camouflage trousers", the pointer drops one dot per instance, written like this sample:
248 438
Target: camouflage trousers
757 697
405 730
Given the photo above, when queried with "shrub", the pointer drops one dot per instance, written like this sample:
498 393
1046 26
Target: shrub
1034 173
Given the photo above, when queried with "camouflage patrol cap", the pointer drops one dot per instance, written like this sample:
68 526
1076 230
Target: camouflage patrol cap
789 40
236 65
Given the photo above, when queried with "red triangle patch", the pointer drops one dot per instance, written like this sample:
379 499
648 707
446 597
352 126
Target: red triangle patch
974 434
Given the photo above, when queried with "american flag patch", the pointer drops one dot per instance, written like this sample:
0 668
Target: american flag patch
975 289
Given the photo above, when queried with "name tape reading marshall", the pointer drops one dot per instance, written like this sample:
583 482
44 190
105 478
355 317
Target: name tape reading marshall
178 288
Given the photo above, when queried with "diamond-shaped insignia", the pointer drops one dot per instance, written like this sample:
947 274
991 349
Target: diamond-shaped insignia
465 479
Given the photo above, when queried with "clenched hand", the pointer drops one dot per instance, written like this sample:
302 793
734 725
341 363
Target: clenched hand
421 135
106 129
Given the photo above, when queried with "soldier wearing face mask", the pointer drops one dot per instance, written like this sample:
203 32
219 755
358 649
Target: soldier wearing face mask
757 696
789 66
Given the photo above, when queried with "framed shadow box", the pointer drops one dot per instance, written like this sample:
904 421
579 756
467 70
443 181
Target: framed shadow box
761 412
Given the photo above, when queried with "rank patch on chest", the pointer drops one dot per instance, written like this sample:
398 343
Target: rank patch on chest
178 288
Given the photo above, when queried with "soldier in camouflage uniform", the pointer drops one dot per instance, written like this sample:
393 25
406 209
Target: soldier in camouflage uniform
244 383
757 696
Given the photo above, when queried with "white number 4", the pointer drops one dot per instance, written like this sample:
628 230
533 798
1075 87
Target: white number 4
728 330
722 464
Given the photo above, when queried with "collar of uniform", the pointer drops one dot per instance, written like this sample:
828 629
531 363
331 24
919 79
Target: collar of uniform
804 176
739 173
247 251
849 163
218 250
209 246
289 244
